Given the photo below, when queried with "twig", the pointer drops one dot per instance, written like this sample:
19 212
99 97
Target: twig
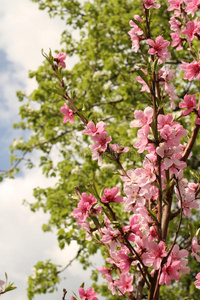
71 261
64 294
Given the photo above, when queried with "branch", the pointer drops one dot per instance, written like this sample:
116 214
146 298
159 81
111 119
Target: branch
71 261
64 294
16 164
30 148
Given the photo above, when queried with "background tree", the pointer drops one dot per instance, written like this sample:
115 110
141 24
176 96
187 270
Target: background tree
102 81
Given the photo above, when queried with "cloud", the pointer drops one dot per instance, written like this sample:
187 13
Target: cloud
26 31
23 243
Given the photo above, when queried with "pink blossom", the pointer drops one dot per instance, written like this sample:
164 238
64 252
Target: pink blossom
110 236
111 195
119 149
197 121
174 4
103 270
189 103
111 285
69 114
97 154
124 283
153 234
124 260
94 130
188 202
143 138
135 32
1 286
178 254
159 48
175 25
150 3
101 142
142 118
135 41
146 174
195 249
136 29
165 77
60 59
197 282
192 29
192 70
170 272
155 254
172 134
176 40
89 294
168 154
137 18
133 226
192 6
84 206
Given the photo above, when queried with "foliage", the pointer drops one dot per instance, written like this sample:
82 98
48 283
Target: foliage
44 279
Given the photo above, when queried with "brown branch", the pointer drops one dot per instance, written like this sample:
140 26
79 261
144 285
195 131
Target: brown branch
30 148
16 164
71 261
64 294
140 288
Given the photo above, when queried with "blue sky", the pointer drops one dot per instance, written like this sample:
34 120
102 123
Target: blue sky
24 31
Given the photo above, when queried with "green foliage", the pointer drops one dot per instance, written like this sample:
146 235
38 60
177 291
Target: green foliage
104 82
44 279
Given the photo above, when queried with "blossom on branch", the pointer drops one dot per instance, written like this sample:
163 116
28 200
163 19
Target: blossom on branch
90 294
60 59
111 195
151 3
197 282
68 114
189 103
192 70
159 48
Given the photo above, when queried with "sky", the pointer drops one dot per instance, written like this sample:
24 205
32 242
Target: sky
24 31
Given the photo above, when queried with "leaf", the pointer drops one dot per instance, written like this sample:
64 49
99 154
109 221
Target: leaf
154 65
142 75
170 183
195 174
10 287
197 234
95 220
82 285
191 229
153 215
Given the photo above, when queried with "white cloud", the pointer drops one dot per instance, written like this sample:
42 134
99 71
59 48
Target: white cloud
23 243
26 30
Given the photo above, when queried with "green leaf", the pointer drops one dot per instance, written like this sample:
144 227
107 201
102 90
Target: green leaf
142 75
153 215
169 185
191 230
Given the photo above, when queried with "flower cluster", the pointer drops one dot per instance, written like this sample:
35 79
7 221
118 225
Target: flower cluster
100 137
